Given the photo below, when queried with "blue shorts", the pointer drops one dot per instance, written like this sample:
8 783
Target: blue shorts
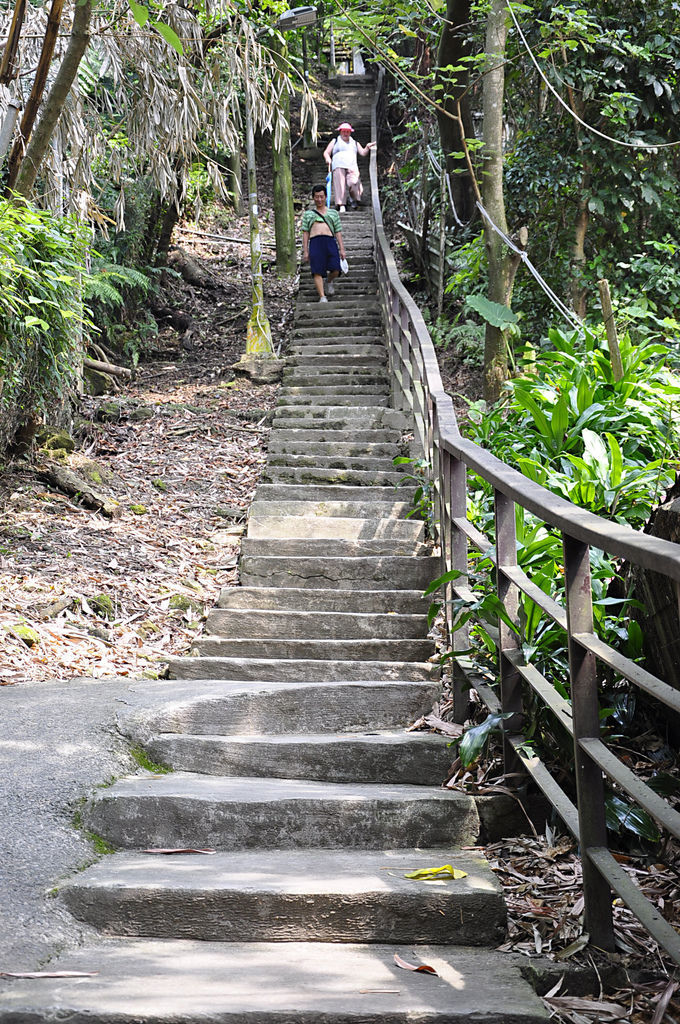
324 254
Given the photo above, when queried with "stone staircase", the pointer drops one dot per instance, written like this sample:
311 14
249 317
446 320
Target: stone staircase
285 733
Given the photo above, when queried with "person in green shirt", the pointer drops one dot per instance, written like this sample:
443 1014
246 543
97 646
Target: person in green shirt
322 244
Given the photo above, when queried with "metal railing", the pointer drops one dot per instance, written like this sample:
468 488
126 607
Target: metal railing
417 389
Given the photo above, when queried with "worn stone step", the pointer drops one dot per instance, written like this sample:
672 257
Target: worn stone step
282 435
371 360
376 649
333 493
297 670
185 809
333 377
363 417
308 625
385 513
347 477
344 449
304 546
208 707
362 311
403 602
328 461
155 981
370 572
396 757
266 523
320 398
339 342
298 895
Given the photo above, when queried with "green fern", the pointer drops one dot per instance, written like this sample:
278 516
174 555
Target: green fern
108 280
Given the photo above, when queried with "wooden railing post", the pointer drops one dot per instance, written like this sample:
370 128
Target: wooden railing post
586 718
460 639
508 640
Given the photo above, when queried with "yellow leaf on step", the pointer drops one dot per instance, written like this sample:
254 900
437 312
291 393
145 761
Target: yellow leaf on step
425 873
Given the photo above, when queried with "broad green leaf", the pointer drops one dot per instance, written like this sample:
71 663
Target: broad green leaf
616 461
447 577
139 13
621 815
171 37
446 869
560 419
495 313
475 739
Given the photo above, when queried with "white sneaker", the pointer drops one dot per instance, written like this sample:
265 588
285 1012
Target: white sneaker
323 299
330 288
343 210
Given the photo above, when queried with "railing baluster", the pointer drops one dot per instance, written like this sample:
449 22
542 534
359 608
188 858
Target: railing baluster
460 638
586 718
508 640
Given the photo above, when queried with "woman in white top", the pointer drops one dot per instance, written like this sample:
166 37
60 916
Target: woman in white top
341 157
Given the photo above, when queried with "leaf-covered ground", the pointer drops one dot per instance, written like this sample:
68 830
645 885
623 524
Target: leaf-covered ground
82 594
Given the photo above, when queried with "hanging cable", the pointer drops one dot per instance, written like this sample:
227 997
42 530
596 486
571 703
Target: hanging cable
589 127
437 166
556 301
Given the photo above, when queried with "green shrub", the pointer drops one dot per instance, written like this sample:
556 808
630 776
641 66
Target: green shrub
41 312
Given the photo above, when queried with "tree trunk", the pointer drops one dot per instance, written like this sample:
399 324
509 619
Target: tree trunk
454 44
9 68
502 262
33 102
284 214
234 186
37 147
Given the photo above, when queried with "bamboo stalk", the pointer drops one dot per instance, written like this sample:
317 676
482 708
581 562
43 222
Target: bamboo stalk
610 327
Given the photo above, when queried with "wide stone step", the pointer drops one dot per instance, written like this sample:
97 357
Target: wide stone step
314 625
368 650
323 459
348 449
154 981
321 433
207 707
369 572
402 602
267 524
372 359
317 670
356 310
296 895
362 417
386 513
337 343
305 546
348 477
184 809
334 493
416 759
303 377
308 398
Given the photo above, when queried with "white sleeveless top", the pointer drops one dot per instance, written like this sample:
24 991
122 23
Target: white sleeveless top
345 154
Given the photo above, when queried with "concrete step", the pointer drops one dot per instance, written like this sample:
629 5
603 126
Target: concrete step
412 759
401 602
319 460
380 435
309 625
370 572
299 896
299 670
333 377
363 417
373 649
348 477
208 707
372 360
184 809
358 310
387 512
301 545
338 343
149 981
320 398
334 493
347 449
314 527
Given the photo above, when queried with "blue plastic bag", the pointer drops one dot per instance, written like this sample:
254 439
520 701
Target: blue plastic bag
328 189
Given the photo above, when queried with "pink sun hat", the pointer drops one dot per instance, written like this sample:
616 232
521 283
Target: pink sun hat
345 126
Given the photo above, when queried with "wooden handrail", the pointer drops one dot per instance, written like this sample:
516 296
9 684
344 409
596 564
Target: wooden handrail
417 388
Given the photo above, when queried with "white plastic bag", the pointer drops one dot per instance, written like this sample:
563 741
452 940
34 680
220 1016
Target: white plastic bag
344 266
